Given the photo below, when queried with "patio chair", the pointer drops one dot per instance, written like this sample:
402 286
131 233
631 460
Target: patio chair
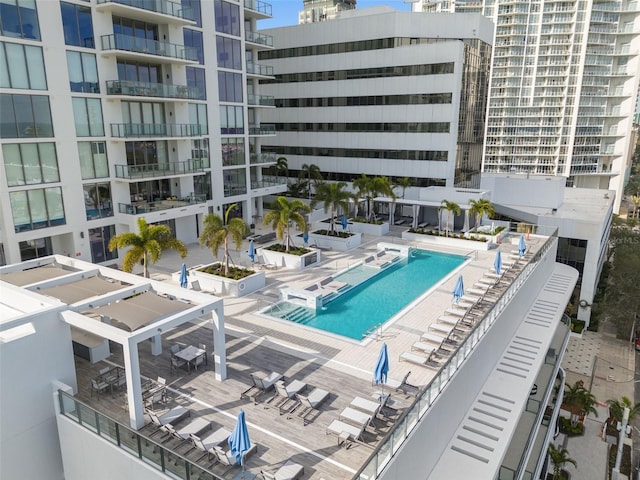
288 471
98 385
195 427
309 404
200 361
225 457
346 432
173 416
284 398
414 358
215 438
332 284
203 346
261 383
177 363
403 385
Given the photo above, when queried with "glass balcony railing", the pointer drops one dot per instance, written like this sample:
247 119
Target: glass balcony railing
268 181
261 38
263 100
138 208
125 130
263 129
147 450
409 419
162 169
130 43
231 190
268 157
258 6
166 7
257 69
144 89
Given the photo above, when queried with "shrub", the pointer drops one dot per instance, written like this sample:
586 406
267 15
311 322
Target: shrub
436 233
570 430
336 233
278 247
364 220
235 273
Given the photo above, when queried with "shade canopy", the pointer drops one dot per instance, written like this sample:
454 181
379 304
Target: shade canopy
458 290
82 289
239 442
382 366
35 275
497 263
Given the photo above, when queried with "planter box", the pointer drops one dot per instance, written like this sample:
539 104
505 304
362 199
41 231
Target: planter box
446 241
286 260
369 228
493 238
225 286
336 243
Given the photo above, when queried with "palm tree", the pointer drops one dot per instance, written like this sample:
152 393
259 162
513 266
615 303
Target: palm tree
369 188
310 172
216 234
146 245
282 166
559 457
284 212
579 401
334 196
404 183
616 408
480 208
451 208
635 201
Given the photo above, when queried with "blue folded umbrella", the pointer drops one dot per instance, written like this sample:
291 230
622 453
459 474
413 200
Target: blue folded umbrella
305 237
497 263
184 282
458 291
522 247
382 366
252 251
239 442
344 222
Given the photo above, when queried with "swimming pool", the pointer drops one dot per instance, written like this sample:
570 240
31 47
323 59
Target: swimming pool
381 295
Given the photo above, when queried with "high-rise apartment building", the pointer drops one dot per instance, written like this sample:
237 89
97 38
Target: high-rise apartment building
382 92
116 110
563 86
322 10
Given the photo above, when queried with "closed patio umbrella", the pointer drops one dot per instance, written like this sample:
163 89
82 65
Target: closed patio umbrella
239 442
252 251
497 263
458 291
382 369
522 246
184 282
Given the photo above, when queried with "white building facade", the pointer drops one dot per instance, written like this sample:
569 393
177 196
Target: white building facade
116 110
563 88
381 92
323 10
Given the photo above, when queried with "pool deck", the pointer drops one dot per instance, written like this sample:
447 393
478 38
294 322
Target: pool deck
342 366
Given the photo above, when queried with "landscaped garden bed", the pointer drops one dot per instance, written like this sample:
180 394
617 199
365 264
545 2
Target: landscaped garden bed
237 283
439 238
340 241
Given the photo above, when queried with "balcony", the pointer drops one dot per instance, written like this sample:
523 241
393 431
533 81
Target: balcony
257 9
135 47
257 70
262 158
158 90
260 100
234 189
145 130
265 129
138 208
157 11
268 181
153 170
258 38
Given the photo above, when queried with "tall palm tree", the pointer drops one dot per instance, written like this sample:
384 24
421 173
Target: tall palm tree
579 401
369 188
404 183
451 208
147 244
217 232
635 201
282 166
310 172
282 214
616 408
334 196
559 457
480 208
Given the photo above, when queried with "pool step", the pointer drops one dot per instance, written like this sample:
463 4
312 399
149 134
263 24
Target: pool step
300 315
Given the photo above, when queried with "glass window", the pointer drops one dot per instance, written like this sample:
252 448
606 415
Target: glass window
19 19
196 78
192 10
143 112
99 239
88 117
97 200
227 17
198 116
193 39
93 160
230 86
232 151
25 116
77 25
83 72
231 120
229 53
38 208
30 163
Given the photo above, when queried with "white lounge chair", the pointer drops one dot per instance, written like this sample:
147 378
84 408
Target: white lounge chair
332 284
195 427
284 399
402 385
345 432
288 471
414 358
356 417
215 438
261 383
370 407
425 348
309 404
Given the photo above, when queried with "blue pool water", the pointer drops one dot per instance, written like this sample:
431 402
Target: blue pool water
376 300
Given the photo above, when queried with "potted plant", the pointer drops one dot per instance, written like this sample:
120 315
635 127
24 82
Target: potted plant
560 457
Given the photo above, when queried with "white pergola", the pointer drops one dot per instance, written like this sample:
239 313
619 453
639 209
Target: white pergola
143 309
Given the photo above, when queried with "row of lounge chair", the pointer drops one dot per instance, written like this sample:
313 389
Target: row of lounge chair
354 420
381 259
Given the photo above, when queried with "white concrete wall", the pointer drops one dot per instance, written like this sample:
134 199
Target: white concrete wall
522 190
29 446
418 456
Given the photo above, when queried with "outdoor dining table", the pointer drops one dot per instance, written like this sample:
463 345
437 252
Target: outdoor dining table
189 354
115 377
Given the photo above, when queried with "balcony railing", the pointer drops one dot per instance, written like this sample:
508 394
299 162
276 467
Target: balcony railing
257 69
261 38
231 190
263 100
144 89
409 419
268 181
258 6
125 130
193 165
166 7
138 208
268 157
263 129
147 450
129 43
